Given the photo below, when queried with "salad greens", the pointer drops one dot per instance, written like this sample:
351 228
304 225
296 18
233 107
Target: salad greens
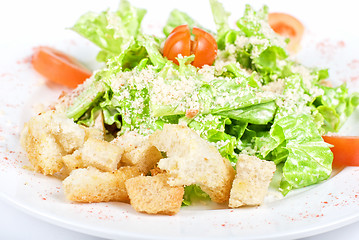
253 100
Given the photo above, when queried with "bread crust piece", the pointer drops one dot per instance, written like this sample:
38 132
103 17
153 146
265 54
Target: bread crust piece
92 132
251 182
192 160
95 153
49 136
101 154
73 161
138 151
88 185
153 195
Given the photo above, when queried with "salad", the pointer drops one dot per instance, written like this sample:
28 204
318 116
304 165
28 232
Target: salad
239 89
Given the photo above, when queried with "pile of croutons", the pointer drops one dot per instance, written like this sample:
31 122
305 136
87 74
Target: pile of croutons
132 168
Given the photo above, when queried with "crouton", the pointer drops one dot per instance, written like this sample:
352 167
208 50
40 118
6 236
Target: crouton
49 136
91 132
44 154
138 151
156 170
251 182
101 154
69 135
73 161
192 160
129 140
153 195
144 157
89 185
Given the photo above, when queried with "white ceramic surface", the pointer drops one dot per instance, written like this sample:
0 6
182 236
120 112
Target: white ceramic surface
328 42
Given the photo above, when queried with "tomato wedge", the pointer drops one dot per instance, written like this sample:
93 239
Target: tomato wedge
345 150
178 42
204 46
287 26
59 67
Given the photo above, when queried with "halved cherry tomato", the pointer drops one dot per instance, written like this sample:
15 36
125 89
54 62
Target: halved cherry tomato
178 42
287 26
59 67
204 46
345 150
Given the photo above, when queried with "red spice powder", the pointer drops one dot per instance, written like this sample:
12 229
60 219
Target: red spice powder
353 64
327 47
25 60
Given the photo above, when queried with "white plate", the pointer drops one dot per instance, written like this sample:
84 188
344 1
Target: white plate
330 41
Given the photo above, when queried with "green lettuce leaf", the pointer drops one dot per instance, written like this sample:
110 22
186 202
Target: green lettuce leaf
194 194
225 35
87 99
177 18
309 160
255 114
336 105
111 31
251 23
213 129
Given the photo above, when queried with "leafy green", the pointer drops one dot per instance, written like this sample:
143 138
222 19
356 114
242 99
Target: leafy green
309 160
193 194
225 34
86 99
212 128
111 31
255 114
177 18
336 105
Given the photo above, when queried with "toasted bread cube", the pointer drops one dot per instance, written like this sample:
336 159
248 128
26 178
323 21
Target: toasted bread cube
70 135
153 195
138 151
49 136
101 154
251 182
129 141
89 185
73 161
192 160
144 157
156 170
91 132
44 153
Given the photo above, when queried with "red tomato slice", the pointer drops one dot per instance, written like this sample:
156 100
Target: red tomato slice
287 26
204 46
178 42
345 150
59 67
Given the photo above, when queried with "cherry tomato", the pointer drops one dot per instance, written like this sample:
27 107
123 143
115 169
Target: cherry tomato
59 67
204 46
287 26
345 150
178 42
